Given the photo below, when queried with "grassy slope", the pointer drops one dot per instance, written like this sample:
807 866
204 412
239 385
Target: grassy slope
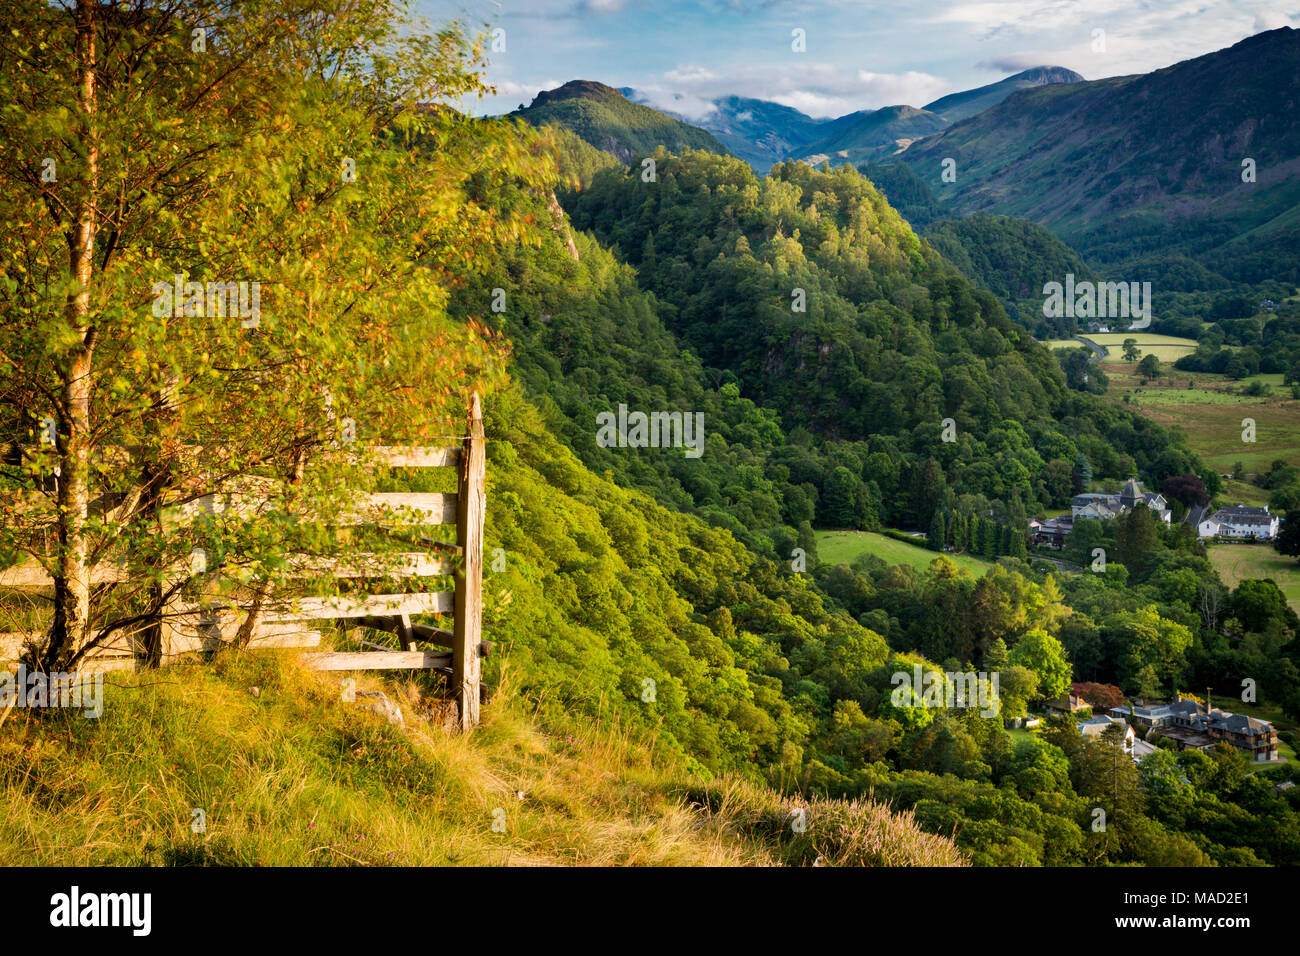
1211 414
295 776
1236 562
843 547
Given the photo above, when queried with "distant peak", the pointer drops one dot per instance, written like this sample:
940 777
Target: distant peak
577 90
1048 74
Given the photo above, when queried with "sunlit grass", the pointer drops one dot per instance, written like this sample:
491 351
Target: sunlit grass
289 774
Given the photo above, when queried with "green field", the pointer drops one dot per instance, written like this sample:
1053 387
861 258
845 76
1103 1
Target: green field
1167 348
1235 562
1018 734
1211 414
843 547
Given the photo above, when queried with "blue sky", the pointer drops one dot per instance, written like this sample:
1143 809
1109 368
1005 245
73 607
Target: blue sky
861 54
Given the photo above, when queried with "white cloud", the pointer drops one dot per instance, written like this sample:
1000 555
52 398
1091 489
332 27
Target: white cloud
818 89
1270 20
524 92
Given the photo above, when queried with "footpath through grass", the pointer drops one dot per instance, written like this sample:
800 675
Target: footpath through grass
291 775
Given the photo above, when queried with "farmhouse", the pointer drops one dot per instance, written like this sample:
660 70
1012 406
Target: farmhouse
1105 507
1071 703
1239 521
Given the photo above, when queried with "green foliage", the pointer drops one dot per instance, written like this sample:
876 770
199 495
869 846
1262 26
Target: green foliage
1013 259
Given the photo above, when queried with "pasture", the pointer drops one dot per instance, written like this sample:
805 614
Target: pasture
1236 562
843 547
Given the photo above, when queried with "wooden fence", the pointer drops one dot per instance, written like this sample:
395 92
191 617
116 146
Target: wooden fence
200 626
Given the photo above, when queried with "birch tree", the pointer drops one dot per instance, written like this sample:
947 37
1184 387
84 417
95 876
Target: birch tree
227 235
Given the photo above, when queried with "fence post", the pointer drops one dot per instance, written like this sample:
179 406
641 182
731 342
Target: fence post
470 504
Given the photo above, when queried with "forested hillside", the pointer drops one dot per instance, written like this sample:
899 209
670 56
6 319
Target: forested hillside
893 340
1014 259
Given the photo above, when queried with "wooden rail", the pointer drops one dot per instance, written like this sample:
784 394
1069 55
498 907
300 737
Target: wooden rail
285 621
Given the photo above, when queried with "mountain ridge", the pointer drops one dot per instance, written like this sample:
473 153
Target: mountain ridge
605 118
1171 142
763 132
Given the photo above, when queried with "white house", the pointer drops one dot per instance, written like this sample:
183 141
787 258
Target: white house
1240 522
1093 727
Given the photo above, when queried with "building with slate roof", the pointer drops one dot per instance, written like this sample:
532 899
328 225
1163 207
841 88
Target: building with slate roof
1239 521
1104 507
1190 724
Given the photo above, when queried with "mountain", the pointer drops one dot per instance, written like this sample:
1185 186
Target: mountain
871 135
606 119
1131 165
758 131
878 134
1012 258
957 106
817 300
762 133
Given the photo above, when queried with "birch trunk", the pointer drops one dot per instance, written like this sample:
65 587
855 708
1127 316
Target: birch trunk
70 630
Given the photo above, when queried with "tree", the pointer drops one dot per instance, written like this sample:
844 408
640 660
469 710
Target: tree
937 531
339 296
1103 697
1258 603
928 488
1189 489
1288 537
1017 685
1017 548
1149 367
1131 351
1155 650
1043 654
1082 474
989 532
1136 539
996 657
844 501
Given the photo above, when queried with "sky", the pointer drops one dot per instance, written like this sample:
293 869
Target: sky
859 54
